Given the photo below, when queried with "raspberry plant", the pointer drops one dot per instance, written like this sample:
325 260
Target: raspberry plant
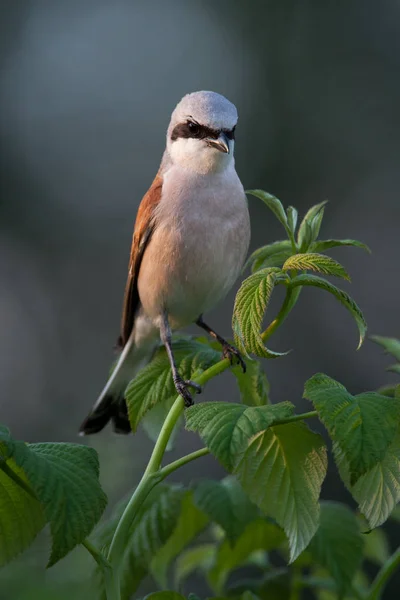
267 513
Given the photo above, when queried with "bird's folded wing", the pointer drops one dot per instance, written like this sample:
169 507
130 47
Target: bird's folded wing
144 226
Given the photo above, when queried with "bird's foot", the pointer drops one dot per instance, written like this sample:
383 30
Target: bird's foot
229 351
182 386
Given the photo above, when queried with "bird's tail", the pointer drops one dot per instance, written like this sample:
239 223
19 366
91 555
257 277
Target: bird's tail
111 404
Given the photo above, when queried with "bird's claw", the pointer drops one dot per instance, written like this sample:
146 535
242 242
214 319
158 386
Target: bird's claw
229 351
182 386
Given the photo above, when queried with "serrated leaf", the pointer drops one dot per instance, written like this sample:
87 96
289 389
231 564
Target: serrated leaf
199 558
191 521
378 491
250 305
338 544
310 226
316 262
389 344
150 530
226 504
363 426
225 426
273 204
323 245
281 468
154 384
258 535
343 297
263 254
65 479
253 385
21 515
292 216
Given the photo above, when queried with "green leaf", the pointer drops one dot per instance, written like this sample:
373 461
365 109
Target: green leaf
21 515
167 595
390 345
292 216
250 305
150 530
260 257
65 479
376 546
258 535
281 468
315 262
310 226
338 544
154 384
199 558
253 385
378 491
343 297
226 504
191 521
225 426
273 204
363 426
394 368
323 245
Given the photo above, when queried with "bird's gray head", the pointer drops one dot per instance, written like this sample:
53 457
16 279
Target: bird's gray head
201 132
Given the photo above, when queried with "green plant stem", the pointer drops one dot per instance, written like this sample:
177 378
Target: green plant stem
168 469
110 582
290 300
301 417
383 576
153 474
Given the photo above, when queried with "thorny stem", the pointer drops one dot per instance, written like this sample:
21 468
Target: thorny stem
383 576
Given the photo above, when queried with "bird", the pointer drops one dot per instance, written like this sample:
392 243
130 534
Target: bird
190 241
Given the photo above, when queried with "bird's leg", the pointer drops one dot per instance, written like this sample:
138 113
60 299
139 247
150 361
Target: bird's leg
228 351
181 384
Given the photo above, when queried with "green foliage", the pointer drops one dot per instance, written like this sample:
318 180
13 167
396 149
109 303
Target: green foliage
310 226
391 346
258 535
225 503
273 464
21 515
315 262
272 255
253 385
152 527
64 480
338 544
268 512
190 523
154 384
251 302
362 427
343 297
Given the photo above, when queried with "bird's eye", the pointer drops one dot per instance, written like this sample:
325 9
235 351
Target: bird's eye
194 128
230 134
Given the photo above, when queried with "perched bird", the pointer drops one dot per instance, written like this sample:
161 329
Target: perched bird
190 240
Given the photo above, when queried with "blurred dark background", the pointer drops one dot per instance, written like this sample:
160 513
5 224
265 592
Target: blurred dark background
86 92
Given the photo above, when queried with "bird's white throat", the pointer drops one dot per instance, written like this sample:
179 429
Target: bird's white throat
196 155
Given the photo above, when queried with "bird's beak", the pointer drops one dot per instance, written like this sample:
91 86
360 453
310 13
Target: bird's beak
221 144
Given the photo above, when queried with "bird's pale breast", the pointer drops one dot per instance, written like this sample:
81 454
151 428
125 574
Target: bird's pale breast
198 247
